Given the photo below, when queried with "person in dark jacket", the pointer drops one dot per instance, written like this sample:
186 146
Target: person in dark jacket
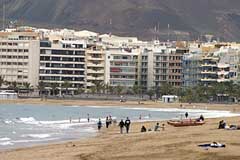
99 124
127 124
121 125
186 115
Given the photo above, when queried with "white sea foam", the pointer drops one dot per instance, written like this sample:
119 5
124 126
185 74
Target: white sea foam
8 143
40 136
27 120
5 139
8 122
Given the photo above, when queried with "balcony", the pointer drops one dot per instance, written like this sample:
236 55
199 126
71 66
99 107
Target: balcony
208 65
95 65
208 72
95 71
208 80
95 78
95 58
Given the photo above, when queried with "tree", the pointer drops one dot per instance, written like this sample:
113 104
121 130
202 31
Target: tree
150 93
27 86
166 89
119 89
93 89
54 87
79 91
1 81
13 86
136 89
66 85
41 87
99 86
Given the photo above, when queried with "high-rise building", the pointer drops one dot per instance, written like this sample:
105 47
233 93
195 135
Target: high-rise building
19 57
63 62
121 67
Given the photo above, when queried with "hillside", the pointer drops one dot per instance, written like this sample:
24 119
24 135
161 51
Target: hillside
143 18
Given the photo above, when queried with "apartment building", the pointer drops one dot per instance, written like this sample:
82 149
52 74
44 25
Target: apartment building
95 63
19 57
61 62
191 69
121 67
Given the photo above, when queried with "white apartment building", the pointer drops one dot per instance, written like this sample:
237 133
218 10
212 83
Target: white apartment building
19 57
121 67
95 62
63 61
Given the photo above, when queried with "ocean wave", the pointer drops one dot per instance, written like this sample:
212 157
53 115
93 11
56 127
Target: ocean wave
40 136
5 139
8 143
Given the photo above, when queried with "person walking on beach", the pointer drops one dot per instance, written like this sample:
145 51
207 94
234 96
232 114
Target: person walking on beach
186 115
88 118
99 124
127 124
107 122
121 125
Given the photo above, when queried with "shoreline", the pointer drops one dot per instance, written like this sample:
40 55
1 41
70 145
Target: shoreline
113 103
153 144
109 144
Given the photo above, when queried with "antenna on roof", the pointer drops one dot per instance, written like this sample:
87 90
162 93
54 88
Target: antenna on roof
168 32
4 14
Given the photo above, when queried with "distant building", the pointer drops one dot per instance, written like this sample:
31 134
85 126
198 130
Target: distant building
63 61
95 63
19 57
191 69
121 67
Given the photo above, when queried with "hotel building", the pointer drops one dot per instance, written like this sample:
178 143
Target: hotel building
19 57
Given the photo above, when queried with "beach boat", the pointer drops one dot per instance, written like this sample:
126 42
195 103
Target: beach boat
183 123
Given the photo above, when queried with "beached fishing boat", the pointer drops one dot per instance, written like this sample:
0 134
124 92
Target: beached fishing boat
182 123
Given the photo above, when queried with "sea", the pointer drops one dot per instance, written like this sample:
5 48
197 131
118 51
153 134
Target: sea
24 125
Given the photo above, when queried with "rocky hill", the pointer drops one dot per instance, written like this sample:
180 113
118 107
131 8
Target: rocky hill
144 18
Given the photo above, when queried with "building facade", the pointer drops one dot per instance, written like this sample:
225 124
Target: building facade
19 57
63 62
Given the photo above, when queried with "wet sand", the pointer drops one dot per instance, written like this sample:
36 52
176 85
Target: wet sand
171 144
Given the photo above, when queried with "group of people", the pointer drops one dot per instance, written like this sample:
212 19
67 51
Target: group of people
108 122
156 128
201 118
125 124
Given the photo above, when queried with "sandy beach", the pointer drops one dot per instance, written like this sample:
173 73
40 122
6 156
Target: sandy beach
170 144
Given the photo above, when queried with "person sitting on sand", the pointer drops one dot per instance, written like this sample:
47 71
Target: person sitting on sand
157 127
222 124
143 129
99 124
201 118
121 125
163 126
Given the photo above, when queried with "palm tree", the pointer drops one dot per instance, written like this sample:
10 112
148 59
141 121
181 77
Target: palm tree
27 86
41 87
119 89
1 81
99 86
13 86
79 91
54 88
136 89
66 85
